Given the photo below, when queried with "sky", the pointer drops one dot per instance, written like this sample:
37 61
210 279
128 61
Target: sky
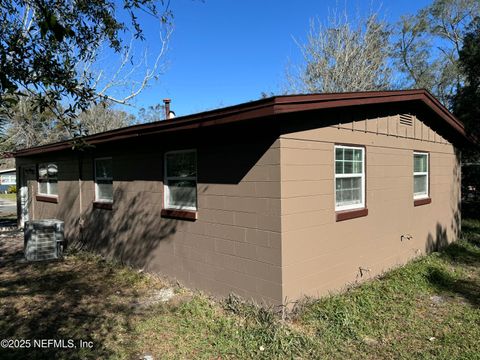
225 52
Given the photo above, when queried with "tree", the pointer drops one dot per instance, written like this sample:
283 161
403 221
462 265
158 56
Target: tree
339 56
103 117
152 113
466 103
29 127
428 46
47 48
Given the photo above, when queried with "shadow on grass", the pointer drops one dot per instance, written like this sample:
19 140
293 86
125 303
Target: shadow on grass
8 220
77 300
460 253
467 253
445 282
471 210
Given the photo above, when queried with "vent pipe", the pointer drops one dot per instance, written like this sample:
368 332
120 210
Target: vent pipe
166 103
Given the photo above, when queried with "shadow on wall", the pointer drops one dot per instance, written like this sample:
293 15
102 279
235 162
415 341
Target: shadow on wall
130 234
441 239
437 241
134 232
69 210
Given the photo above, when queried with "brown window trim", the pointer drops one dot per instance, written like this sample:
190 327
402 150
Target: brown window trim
47 198
179 214
419 202
351 214
103 205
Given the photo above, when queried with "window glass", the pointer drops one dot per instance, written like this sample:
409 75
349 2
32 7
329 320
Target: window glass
181 164
181 180
47 179
43 187
103 169
420 162
182 193
103 180
105 191
420 184
349 191
420 175
349 177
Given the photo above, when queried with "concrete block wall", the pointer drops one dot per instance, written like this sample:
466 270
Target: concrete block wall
321 255
266 227
233 246
68 206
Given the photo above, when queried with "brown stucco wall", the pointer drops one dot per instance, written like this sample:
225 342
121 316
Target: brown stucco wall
321 255
234 246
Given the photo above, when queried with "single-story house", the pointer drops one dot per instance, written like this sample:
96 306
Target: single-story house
272 199
8 177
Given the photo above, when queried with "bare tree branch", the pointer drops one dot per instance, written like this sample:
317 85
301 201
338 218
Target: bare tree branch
123 76
339 56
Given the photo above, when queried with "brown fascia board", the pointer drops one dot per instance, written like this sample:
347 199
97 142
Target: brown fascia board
261 109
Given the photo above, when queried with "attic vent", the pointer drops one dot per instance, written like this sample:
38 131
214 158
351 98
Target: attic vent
43 240
406 119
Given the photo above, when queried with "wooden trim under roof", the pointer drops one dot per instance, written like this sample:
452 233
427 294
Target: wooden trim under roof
260 109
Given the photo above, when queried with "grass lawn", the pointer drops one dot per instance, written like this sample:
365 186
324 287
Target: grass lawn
428 309
12 197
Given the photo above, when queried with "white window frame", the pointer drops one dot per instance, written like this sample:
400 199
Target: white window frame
337 176
108 178
166 179
48 181
427 173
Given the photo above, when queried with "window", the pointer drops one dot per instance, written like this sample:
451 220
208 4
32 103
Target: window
8 179
103 180
181 180
349 177
47 179
420 175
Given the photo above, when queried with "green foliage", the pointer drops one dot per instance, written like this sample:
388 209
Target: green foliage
443 23
42 42
467 99
12 189
152 113
28 126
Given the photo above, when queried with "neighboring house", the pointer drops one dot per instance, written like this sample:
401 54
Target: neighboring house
8 177
272 199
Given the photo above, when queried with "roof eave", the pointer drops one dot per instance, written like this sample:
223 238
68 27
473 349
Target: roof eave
259 109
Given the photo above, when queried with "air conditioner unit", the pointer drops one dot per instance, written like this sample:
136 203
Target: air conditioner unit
44 239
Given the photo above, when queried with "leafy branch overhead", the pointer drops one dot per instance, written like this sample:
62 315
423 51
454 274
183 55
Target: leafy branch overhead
42 43
466 103
428 46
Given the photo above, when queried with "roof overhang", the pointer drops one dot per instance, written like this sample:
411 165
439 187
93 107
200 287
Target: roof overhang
268 107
